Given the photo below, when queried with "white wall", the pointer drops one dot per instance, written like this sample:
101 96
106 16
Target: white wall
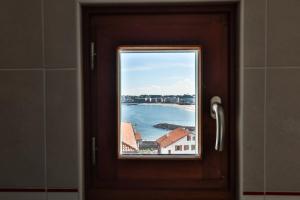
183 141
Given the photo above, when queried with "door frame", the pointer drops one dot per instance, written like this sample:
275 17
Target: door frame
238 63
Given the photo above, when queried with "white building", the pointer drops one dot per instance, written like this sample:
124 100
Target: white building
178 141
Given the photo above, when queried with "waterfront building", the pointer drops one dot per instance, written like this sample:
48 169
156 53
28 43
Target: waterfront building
171 99
178 141
186 99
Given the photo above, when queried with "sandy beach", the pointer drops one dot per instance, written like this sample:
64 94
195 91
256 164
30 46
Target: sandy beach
190 108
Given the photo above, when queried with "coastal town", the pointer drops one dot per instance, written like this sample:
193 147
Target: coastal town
177 140
185 99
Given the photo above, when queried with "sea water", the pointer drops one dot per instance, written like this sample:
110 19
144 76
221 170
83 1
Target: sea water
144 116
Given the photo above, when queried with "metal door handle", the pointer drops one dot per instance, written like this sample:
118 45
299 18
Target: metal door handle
217 112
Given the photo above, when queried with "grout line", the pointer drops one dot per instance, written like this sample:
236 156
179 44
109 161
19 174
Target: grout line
282 67
272 67
61 69
43 34
45 98
241 103
45 133
21 69
254 68
36 68
39 189
265 92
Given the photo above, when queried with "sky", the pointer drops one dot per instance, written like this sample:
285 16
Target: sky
164 73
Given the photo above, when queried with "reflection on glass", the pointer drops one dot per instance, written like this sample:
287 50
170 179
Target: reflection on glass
158 101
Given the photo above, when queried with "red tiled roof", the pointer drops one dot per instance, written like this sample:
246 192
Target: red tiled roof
138 136
171 137
127 135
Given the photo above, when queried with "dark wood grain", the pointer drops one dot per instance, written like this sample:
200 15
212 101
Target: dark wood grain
210 26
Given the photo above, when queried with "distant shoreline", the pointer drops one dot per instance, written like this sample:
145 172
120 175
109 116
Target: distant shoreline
190 108
168 126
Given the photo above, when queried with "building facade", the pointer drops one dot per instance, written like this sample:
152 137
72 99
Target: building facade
178 141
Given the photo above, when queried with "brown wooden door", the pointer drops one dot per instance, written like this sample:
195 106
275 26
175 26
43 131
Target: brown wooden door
210 26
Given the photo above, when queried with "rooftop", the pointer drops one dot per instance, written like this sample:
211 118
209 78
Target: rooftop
172 137
138 136
128 136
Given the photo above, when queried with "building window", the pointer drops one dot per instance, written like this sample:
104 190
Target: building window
193 147
186 147
178 148
194 138
188 138
169 151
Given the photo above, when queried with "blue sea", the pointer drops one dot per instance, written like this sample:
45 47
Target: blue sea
144 116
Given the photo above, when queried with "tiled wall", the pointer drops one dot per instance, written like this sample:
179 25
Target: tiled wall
38 98
271 132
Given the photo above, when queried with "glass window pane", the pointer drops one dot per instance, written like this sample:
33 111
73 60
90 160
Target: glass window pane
158 102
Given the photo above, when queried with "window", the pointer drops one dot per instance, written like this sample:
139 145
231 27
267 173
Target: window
113 71
193 147
158 98
186 147
194 138
188 138
178 147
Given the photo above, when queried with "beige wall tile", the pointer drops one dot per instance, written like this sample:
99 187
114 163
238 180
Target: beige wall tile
282 197
253 132
62 134
254 33
21 128
60 33
20 33
23 195
63 196
252 197
283 128
283 33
